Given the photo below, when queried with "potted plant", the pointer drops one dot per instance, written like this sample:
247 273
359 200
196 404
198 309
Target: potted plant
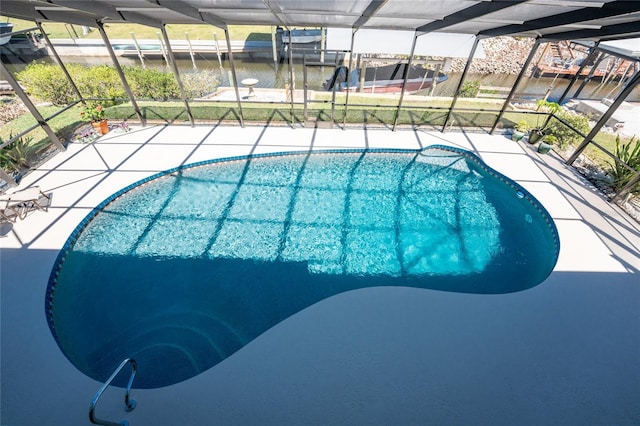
537 133
547 143
94 113
519 130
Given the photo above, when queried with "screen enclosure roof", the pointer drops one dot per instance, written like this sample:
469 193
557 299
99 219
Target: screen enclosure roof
593 20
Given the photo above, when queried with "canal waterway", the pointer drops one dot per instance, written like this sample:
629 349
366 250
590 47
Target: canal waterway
268 76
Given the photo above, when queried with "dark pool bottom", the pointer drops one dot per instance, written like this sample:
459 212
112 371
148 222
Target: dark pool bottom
183 269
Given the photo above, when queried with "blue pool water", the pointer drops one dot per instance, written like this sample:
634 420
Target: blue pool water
182 270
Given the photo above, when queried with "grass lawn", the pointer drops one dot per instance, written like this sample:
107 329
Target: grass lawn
61 123
174 31
362 109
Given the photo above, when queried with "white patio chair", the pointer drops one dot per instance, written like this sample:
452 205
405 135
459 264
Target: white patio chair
7 213
20 203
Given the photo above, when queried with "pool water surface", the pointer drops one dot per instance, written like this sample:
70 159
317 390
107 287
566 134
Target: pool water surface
183 269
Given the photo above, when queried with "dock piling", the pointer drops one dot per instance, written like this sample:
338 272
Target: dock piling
215 39
135 43
193 59
163 50
274 49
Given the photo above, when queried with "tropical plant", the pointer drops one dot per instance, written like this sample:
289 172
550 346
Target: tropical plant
537 133
521 126
546 106
629 153
19 154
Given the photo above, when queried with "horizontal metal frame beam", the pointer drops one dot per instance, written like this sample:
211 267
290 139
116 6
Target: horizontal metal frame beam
607 50
33 11
98 10
614 8
188 10
105 12
472 12
368 13
68 11
20 10
611 32
87 12
275 10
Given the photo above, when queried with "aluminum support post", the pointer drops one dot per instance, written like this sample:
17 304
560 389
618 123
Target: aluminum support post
460 83
59 61
590 75
5 177
118 68
233 74
346 99
590 56
176 73
515 84
292 81
274 49
628 88
32 108
404 80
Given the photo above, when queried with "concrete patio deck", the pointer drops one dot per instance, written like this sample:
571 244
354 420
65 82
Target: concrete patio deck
564 352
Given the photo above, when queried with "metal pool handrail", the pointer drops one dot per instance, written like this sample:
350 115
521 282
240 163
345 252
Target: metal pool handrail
130 403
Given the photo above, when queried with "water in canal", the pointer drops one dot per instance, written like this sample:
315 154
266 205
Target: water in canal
264 70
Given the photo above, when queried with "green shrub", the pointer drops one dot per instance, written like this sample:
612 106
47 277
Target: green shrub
152 83
629 153
198 83
470 89
566 136
47 82
100 81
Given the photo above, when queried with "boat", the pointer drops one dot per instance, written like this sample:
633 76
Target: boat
302 36
22 48
5 28
384 79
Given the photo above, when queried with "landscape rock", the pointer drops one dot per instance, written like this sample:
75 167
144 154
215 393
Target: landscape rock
503 55
11 108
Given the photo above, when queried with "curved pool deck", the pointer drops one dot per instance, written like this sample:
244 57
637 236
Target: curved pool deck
563 352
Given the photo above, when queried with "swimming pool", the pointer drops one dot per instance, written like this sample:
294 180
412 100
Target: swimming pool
182 269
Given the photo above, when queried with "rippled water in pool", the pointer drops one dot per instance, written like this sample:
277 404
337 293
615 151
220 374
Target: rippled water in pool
181 272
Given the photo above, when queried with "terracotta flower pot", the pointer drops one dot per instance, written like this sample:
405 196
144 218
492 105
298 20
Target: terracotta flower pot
102 126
